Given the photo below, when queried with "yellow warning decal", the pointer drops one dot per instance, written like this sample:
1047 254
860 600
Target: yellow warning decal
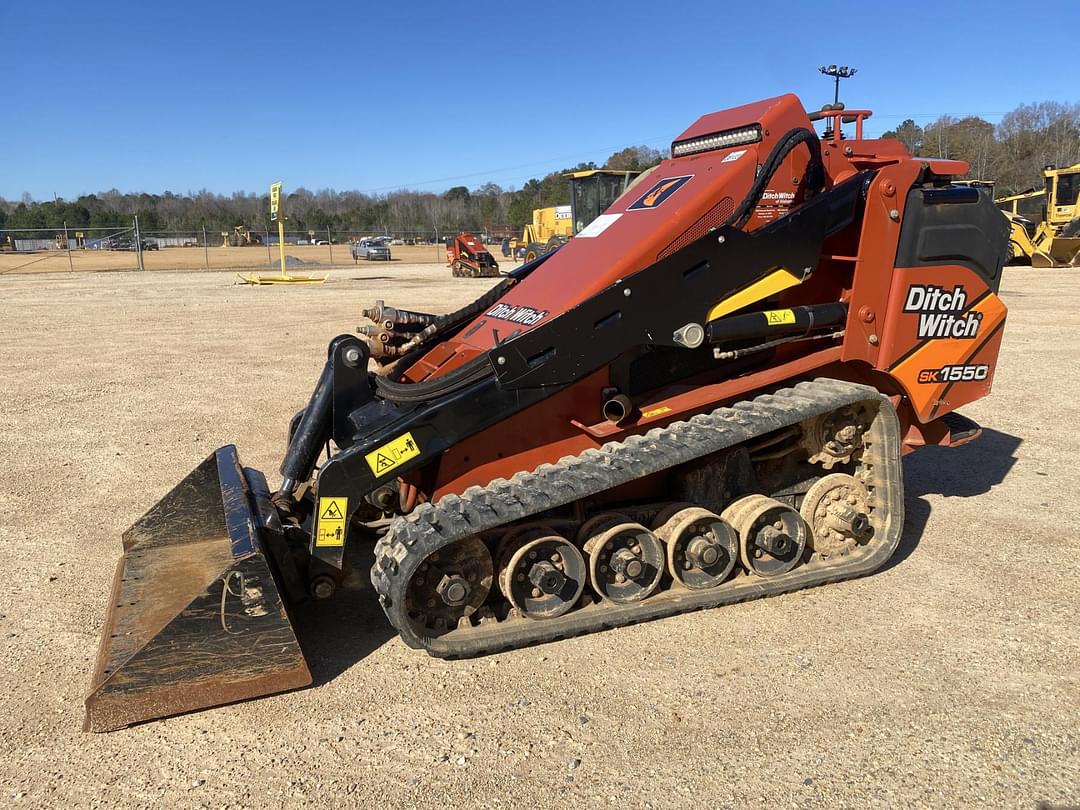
392 454
655 412
330 528
777 281
776 317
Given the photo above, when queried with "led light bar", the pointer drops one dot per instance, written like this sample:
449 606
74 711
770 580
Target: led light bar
718 140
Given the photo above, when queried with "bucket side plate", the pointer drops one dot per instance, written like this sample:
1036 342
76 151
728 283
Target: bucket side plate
196 618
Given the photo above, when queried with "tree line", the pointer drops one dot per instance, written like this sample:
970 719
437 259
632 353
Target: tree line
1012 153
343 212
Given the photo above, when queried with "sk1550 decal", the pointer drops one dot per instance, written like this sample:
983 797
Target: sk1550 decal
949 374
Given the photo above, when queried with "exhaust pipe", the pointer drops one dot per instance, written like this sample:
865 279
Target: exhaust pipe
618 408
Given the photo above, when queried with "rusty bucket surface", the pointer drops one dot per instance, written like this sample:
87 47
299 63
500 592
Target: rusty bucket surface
196 618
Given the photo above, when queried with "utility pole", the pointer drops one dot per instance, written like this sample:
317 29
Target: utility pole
138 244
838 73
67 247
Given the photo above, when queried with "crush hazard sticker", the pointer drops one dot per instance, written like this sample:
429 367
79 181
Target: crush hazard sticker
659 193
779 317
392 454
330 529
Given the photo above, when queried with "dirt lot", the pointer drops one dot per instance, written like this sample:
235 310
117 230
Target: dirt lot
301 259
950 678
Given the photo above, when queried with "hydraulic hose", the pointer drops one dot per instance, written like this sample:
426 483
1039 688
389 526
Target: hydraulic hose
448 323
389 387
471 372
815 172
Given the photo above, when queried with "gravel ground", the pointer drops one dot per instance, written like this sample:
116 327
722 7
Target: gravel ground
949 678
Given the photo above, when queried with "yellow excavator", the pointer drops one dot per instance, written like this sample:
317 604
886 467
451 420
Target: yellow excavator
1051 217
591 192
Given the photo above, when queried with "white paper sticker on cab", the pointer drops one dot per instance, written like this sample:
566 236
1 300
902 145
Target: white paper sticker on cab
598 226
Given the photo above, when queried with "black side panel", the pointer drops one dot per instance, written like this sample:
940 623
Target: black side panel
954 228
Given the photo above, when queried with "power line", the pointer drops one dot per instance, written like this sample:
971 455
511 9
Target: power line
492 172
940 114
653 142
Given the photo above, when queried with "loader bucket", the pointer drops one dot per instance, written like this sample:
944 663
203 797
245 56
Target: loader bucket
196 618
1061 251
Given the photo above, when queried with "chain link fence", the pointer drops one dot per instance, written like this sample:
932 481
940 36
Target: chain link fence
66 249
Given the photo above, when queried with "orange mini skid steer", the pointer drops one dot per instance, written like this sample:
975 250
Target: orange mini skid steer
702 398
469 258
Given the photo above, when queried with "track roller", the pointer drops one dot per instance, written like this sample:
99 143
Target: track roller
772 535
541 573
701 547
837 509
450 585
626 560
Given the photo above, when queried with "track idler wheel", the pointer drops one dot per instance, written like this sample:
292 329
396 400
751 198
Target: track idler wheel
701 547
837 508
626 560
772 535
450 585
541 573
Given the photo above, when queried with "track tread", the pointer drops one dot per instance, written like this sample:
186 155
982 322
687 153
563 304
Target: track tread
412 538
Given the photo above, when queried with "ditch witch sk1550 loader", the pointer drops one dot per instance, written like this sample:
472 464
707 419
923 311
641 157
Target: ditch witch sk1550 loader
702 398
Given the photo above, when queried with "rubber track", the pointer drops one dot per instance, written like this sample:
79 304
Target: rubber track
412 538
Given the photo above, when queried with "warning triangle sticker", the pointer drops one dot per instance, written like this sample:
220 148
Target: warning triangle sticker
332 512
382 462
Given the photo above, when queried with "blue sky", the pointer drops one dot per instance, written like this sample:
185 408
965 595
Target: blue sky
152 96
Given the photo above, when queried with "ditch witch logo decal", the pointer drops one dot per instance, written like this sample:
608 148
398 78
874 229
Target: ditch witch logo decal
523 315
941 314
655 196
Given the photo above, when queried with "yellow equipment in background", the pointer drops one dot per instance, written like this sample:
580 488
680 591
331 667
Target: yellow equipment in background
591 193
277 214
1025 213
1059 232
241 237
1021 226
550 228
1055 214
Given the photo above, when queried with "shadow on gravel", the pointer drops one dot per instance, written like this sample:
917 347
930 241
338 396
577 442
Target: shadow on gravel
966 471
336 634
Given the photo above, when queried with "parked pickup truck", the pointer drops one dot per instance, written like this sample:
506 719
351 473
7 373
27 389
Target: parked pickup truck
372 249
